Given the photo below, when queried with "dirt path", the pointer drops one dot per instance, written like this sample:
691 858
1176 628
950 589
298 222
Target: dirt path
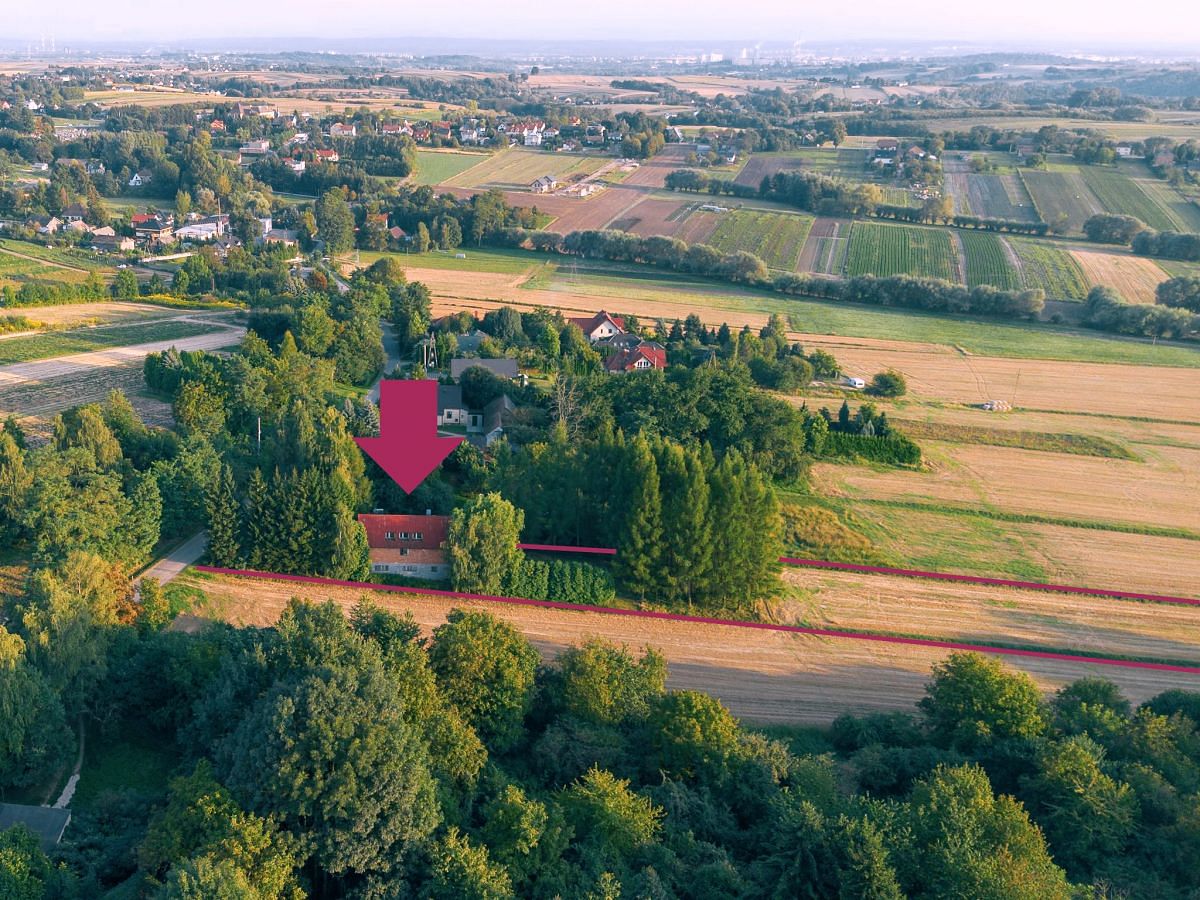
960 256
955 183
762 676
46 262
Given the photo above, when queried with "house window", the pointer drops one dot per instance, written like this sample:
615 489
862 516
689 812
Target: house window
391 535
379 567
404 551
418 536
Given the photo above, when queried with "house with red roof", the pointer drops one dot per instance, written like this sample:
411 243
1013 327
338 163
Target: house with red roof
641 357
412 546
329 156
600 327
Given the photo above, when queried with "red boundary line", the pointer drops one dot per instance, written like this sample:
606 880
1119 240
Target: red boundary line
980 579
704 620
559 548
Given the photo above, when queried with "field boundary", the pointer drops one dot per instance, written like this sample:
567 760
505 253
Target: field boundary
982 579
705 620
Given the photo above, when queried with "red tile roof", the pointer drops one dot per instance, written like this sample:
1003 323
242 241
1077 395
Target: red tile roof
627 360
410 532
587 326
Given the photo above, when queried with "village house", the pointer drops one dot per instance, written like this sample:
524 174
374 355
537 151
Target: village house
503 368
483 427
340 130
471 134
300 137
1124 150
412 546
421 134
94 166
47 224
533 139
600 326
242 111
76 212
396 128
154 229
282 236
594 134
327 156
217 126
296 165
544 185
643 356
112 243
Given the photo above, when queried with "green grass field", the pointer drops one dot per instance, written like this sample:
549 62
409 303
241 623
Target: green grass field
1061 191
46 346
1053 270
515 169
437 166
900 250
1183 212
1123 196
984 337
507 262
775 238
988 261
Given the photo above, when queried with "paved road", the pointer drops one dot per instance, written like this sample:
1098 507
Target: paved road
392 350
167 568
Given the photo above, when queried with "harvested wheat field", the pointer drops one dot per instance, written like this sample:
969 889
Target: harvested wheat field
761 676
940 373
1126 562
99 313
1159 491
670 218
978 614
1133 277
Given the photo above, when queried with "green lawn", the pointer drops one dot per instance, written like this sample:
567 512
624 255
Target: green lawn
437 166
132 761
877 249
61 343
775 238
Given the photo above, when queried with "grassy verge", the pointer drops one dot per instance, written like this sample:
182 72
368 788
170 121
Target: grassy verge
1079 444
46 346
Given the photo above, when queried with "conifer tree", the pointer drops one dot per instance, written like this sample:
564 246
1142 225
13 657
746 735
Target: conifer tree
637 555
254 524
220 503
746 515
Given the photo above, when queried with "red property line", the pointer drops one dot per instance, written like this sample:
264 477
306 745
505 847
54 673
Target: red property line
703 620
979 579
559 548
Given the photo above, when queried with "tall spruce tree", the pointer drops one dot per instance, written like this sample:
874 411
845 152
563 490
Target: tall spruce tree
221 505
638 549
747 529
686 560
254 523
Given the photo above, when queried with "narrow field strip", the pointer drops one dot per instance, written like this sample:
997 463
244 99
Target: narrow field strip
733 623
981 579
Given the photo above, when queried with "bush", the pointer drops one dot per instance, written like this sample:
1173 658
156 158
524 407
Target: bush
566 581
888 384
894 450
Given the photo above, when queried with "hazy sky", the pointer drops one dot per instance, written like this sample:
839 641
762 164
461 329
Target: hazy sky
1066 23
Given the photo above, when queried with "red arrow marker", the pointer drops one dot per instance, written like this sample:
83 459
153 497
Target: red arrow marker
408 447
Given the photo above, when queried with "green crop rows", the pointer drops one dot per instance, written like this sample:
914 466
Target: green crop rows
988 262
1053 270
1122 196
900 250
775 238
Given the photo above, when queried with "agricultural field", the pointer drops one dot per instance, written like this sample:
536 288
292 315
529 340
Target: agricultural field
438 166
668 217
1133 277
1184 213
1053 270
515 169
825 250
1125 197
22 263
1000 197
988 261
62 343
100 312
1061 193
766 677
762 165
883 250
775 238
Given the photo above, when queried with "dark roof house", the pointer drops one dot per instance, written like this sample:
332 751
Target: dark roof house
504 367
46 822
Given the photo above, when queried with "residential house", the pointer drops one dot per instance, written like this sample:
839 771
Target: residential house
915 152
197 231
224 243
340 130
47 822
422 134
398 234
544 185
326 156
495 417
252 150
643 356
40 167
1124 150
296 165
284 236
395 128
450 405
154 229
217 126
412 546
94 166
76 212
533 139
300 137
141 179
594 134
600 326
242 111
503 368
1163 159
47 224
471 134
112 243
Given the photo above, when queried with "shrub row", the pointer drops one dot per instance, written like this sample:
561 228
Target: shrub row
566 581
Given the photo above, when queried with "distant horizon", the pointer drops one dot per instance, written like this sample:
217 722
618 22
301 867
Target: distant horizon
1085 28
